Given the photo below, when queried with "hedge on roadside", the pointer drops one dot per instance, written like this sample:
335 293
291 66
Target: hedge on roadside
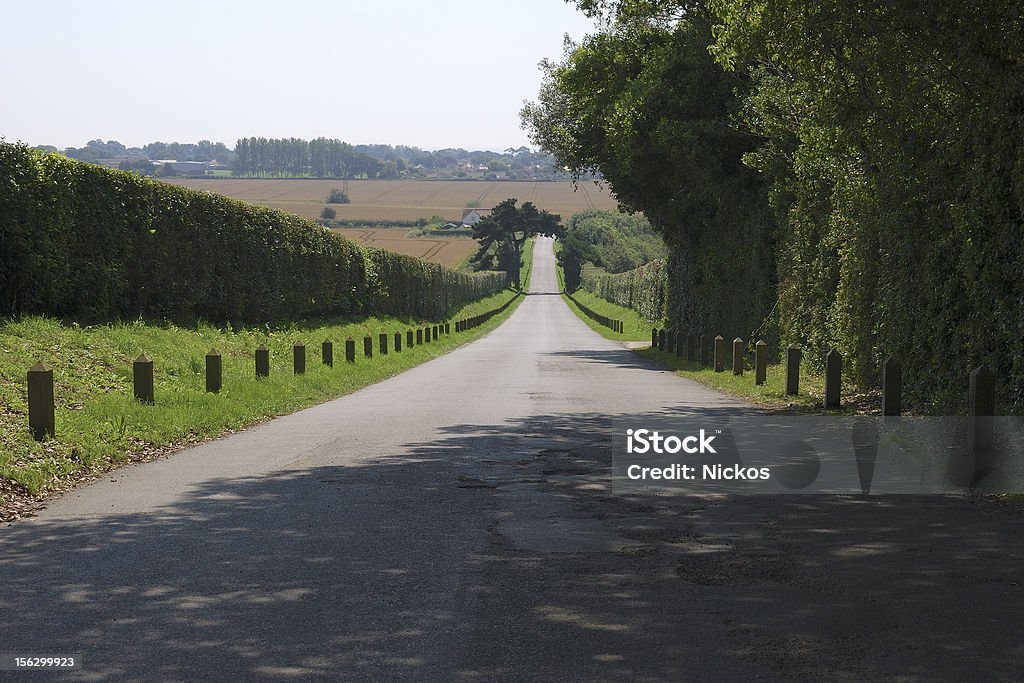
95 244
642 289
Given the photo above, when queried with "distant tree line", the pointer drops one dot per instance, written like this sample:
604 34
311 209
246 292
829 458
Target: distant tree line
327 158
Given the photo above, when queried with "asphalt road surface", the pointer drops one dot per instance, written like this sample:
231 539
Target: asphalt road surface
456 522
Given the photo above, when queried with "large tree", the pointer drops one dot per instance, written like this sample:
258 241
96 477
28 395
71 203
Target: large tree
644 104
503 233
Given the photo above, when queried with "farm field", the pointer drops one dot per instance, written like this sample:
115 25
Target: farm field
403 200
449 251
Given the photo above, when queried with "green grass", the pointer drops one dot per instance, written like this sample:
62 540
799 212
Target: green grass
99 424
772 394
634 326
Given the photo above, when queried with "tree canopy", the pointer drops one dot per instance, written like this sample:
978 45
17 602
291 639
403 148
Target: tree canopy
503 232
841 174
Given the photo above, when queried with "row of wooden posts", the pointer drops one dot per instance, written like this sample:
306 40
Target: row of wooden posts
981 401
41 403
610 323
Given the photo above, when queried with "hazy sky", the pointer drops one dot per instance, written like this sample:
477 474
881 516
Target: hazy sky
434 74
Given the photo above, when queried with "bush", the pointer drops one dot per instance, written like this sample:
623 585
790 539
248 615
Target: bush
328 213
94 244
338 197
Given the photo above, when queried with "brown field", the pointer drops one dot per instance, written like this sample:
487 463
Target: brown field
405 200
449 251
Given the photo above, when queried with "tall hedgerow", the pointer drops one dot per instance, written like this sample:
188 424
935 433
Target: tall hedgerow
94 244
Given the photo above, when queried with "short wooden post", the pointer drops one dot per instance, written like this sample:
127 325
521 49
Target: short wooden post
327 352
981 409
350 350
793 354
262 361
737 356
661 339
398 342
214 371
368 346
670 341
40 401
705 350
680 345
299 358
447 328
691 347
419 336
142 378
719 353
654 337
434 332
383 343
408 339
892 386
833 378
760 362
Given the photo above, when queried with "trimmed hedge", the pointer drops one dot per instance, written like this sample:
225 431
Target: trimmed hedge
95 244
643 289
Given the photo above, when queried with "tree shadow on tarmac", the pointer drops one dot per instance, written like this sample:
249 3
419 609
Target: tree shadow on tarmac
501 552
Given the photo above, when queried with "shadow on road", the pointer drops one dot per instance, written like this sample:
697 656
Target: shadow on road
499 551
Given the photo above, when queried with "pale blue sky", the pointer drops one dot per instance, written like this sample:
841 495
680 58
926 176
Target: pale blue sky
449 73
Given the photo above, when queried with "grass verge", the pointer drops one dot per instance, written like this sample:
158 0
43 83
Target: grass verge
772 394
635 327
99 425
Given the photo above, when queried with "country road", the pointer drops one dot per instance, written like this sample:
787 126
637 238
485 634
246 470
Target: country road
456 523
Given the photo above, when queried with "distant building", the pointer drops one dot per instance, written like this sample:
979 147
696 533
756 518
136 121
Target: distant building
184 167
471 216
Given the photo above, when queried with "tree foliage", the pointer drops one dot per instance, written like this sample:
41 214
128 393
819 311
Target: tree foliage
648 108
505 230
886 140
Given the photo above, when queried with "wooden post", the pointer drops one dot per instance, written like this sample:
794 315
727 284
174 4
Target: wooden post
350 350
833 379
142 378
792 370
434 332
654 337
661 339
719 353
368 346
327 352
447 328
419 336
262 361
892 386
737 356
981 408
40 401
760 362
691 347
299 358
383 343
408 339
705 350
214 371
398 342
680 345
670 341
